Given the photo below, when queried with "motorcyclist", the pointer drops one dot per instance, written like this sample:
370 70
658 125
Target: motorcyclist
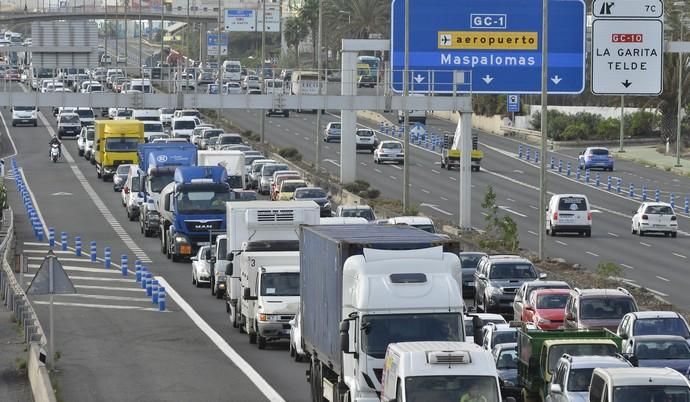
55 140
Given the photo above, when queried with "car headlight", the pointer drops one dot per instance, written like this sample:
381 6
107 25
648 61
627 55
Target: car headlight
180 239
508 383
327 205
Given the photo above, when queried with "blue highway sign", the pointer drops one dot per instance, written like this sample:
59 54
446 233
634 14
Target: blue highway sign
513 103
497 42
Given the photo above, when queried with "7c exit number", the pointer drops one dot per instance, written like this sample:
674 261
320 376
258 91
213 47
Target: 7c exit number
488 21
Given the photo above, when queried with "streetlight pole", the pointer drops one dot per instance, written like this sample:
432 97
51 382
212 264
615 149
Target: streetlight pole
262 122
544 122
680 93
406 112
141 33
318 72
117 30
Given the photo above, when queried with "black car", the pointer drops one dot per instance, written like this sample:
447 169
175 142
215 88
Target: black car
366 81
316 194
468 264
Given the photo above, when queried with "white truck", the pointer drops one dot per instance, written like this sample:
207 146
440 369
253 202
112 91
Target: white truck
439 372
363 287
233 161
260 226
270 294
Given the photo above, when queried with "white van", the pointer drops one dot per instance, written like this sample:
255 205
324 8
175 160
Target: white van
420 222
232 70
24 115
147 115
418 116
569 213
141 85
274 86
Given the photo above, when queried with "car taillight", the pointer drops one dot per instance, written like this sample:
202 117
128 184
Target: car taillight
589 216
555 216
673 218
644 217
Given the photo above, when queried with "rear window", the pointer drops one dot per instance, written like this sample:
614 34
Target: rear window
153 127
605 308
470 261
229 139
659 210
511 271
365 133
599 152
504 337
24 108
572 204
552 301
661 326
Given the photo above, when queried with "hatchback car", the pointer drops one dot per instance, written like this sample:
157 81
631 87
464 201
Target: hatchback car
598 308
120 177
569 213
356 211
389 151
316 194
366 139
332 132
659 351
573 374
496 334
546 308
201 267
596 157
497 279
522 297
655 217
288 188
265 180
506 359
653 323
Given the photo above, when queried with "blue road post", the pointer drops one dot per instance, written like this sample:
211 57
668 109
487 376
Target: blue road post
644 192
161 298
560 166
686 206
618 185
39 233
123 264
137 272
657 195
568 169
149 284
551 163
527 157
154 292
608 183
536 156
587 176
51 237
77 246
631 191
597 179
673 200
519 151
577 175
144 271
107 257
63 240
93 250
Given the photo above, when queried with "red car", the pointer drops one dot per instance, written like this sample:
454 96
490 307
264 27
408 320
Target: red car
546 308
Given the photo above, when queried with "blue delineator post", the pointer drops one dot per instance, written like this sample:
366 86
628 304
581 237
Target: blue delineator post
527 154
63 240
560 165
568 169
686 206
77 246
149 283
644 192
107 257
51 237
608 183
161 298
154 292
672 200
123 264
597 179
618 185
94 250
631 190
144 271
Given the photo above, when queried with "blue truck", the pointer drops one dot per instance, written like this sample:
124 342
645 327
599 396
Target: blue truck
192 210
157 163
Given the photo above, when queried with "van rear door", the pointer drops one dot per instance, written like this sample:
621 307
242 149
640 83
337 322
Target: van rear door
573 210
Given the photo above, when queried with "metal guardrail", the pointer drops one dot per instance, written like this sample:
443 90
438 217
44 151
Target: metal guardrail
520 131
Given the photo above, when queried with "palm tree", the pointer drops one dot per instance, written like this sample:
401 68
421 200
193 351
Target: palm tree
295 31
357 19
309 14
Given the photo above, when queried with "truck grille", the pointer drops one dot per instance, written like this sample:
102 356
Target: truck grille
121 162
273 215
202 226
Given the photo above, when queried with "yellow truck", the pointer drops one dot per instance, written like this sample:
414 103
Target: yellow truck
450 154
115 143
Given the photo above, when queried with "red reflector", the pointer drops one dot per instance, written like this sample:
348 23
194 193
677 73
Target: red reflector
555 216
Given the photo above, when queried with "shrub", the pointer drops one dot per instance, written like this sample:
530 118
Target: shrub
291 154
373 193
357 187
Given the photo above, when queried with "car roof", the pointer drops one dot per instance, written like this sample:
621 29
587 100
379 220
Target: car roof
597 362
411 220
472 253
508 258
502 346
661 204
643 375
664 338
603 292
546 284
641 315
552 291
353 206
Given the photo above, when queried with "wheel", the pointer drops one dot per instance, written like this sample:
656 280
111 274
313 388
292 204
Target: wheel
443 165
14 124
588 233
163 250
674 234
252 338
293 354
667 234
639 231
219 294
632 230
81 152
261 342
286 114
98 173
35 124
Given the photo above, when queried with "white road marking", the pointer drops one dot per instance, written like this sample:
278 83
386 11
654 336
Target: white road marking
663 279
656 292
592 254
612 234
627 266
363 164
261 384
396 167
679 255
435 208
453 178
377 170
485 214
106 297
36 251
444 198
83 269
518 171
306 138
533 207
510 199
91 278
533 233
435 171
62 259
332 161
117 288
512 211
393 177
106 306
425 191
645 244
562 243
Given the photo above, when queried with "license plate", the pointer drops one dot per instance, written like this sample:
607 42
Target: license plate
204 243
469 283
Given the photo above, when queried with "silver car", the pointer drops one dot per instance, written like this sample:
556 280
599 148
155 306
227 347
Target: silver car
266 179
389 151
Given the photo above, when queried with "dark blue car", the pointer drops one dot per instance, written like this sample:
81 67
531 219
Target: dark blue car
659 351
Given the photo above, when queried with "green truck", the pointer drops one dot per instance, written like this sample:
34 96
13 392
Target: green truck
539 351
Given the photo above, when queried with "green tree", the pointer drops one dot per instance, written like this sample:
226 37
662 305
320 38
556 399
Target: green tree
295 31
309 15
357 19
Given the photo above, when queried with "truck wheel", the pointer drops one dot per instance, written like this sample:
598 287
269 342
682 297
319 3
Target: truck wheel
98 173
163 249
219 294
316 381
261 342
252 338
175 257
194 282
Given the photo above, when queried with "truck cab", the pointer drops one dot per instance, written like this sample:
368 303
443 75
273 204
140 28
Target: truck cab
439 372
115 143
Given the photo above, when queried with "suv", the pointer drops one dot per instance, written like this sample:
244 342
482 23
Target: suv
468 263
632 384
652 323
598 308
523 294
366 139
24 115
358 211
573 374
497 279
68 124
494 334
332 131
569 213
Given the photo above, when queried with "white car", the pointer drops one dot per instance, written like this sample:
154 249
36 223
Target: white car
389 151
201 267
166 115
296 351
655 217
569 213
183 127
151 129
85 140
24 115
232 88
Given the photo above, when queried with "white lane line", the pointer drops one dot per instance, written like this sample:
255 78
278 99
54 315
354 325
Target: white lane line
62 259
14 147
656 292
396 167
503 207
533 207
425 191
362 163
106 306
43 252
532 233
663 279
645 244
562 243
261 384
117 288
377 170
518 171
444 198
592 254
510 199
679 255
34 243
306 138
485 214
393 177
453 178
83 269
91 278
106 297
297 135
612 234
627 266
435 171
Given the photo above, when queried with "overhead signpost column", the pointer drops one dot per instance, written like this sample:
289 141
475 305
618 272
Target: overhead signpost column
493 42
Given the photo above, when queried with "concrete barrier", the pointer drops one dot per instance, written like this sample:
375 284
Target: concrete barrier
38 376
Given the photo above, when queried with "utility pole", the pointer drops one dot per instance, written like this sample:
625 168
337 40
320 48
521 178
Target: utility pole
544 121
141 33
406 113
262 121
680 94
319 68
117 30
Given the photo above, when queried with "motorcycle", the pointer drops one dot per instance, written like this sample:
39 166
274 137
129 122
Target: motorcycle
54 152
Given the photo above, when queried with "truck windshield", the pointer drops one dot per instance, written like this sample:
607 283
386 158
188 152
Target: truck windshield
579 379
202 202
235 181
451 388
121 144
157 182
646 393
597 349
280 284
380 330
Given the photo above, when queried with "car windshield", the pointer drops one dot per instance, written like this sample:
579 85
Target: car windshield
382 329
507 359
365 213
659 210
202 202
122 169
599 152
121 144
95 88
24 108
184 125
605 308
507 336
125 113
666 350
335 126
149 127
573 349
232 68
291 187
579 379
391 145
84 113
159 181
365 133
167 111
69 119
451 388
268 170
652 393
248 159
426 228
661 326
212 133
512 270
90 134
470 260
552 301
280 284
572 204
229 139
310 193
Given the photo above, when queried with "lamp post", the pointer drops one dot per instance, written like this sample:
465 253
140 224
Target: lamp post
680 86
318 72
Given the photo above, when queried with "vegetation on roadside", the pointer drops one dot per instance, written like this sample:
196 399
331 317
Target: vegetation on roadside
290 153
501 231
590 126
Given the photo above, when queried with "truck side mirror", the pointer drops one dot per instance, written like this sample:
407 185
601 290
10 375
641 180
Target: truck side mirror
230 257
228 269
247 295
208 254
345 336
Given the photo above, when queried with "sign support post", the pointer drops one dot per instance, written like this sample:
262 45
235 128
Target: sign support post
544 123
51 286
